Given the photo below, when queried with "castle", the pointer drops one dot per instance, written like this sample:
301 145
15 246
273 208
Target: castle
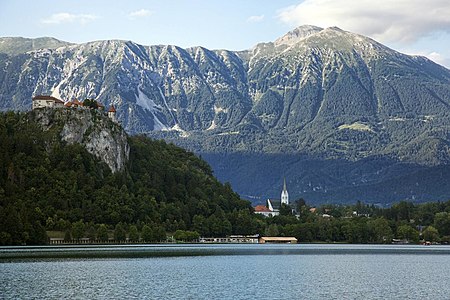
42 101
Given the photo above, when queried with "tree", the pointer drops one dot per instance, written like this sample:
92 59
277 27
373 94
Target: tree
159 234
285 210
90 232
200 225
299 203
430 234
119 232
102 233
442 223
272 230
186 236
133 234
406 232
78 230
380 231
67 235
147 234
91 103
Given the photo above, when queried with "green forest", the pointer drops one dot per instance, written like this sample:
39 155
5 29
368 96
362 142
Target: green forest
49 188
361 223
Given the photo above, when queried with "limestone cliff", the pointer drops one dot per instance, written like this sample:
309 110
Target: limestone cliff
91 128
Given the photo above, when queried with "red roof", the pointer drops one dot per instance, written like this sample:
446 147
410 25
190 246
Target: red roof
112 109
262 208
76 102
68 104
42 97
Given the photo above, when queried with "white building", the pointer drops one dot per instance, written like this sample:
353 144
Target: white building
41 101
112 113
265 211
284 194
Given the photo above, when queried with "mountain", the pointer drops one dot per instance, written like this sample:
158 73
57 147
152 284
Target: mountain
339 114
63 168
19 45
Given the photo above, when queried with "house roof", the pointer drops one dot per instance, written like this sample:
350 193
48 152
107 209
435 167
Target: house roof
262 208
68 104
112 108
77 102
43 97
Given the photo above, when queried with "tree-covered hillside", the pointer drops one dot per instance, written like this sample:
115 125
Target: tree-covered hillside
48 184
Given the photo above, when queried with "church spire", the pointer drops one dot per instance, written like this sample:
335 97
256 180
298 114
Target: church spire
284 194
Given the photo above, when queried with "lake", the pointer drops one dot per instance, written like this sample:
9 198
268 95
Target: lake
226 271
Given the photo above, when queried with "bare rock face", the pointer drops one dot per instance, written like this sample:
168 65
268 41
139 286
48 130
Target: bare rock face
96 132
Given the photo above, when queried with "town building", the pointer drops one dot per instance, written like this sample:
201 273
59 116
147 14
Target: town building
265 211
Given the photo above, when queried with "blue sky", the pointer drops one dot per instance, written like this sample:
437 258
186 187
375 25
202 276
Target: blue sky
410 26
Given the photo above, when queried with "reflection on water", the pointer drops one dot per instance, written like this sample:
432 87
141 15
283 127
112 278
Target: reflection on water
228 271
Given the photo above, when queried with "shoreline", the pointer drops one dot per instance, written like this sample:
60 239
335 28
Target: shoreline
179 250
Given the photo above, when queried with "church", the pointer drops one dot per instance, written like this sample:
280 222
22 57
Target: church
272 207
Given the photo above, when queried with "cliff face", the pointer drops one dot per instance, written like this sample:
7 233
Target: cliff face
100 136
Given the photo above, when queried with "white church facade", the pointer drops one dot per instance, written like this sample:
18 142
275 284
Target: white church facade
273 206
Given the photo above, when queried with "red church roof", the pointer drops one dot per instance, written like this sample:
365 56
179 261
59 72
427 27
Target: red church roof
262 208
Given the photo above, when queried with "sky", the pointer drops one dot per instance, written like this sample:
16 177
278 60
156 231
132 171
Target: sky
416 27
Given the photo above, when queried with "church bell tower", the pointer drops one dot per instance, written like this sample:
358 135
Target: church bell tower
284 194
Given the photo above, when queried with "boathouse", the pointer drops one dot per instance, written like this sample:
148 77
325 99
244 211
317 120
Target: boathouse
277 240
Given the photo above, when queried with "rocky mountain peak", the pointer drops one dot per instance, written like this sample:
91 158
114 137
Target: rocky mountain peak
298 34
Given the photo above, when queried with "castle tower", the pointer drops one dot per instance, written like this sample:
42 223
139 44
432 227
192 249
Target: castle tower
112 113
284 194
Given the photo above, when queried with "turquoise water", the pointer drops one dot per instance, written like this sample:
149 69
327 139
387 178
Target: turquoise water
226 272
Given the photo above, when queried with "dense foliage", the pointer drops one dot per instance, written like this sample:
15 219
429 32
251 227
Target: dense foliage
360 223
46 184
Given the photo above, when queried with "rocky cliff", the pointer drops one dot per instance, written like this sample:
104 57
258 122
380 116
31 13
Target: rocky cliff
100 136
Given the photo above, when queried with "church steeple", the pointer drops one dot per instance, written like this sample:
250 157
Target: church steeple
284 194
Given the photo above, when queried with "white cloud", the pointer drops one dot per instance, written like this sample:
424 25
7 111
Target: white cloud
255 19
402 21
437 57
139 14
64 17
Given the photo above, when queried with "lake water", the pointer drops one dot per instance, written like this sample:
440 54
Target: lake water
226 272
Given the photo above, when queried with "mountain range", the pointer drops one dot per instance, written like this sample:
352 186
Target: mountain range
341 116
